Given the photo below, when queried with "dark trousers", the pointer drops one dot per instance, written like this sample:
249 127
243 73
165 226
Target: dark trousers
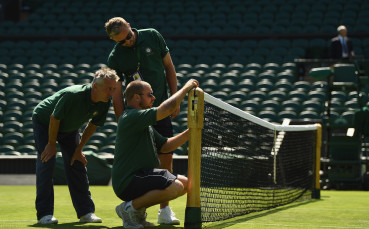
76 175
165 128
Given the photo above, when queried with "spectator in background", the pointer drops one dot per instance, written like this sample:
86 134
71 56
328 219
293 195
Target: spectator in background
143 55
58 119
135 177
341 46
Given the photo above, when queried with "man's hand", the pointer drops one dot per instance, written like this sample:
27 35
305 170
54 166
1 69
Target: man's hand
49 152
191 84
79 156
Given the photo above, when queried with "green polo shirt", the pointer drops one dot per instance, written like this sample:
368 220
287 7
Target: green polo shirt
136 146
73 107
150 48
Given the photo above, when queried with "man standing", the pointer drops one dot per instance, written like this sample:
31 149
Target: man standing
144 55
57 119
341 46
135 177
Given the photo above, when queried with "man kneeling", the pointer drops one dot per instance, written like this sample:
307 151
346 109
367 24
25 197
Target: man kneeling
135 178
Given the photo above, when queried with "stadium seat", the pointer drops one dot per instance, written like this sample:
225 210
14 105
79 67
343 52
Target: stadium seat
283 85
26 149
277 95
7 150
15 138
319 95
309 115
220 95
97 139
250 105
107 149
291 105
270 105
299 95
286 114
257 95
268 115
349 116
345 76
314 105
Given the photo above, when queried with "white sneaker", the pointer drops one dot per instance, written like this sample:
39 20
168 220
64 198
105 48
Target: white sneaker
142 215
90 218
48 219
167 216
128 216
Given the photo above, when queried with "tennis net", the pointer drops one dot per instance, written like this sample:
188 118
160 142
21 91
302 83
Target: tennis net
248 164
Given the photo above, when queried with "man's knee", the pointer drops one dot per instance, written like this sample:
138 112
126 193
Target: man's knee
175 189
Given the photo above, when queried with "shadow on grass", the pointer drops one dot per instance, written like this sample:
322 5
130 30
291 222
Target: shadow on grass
94 226
254 215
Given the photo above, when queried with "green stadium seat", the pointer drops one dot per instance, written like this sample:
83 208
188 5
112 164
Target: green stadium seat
277 95
298 95
271 66
319 95
268 115
302 85
257 95
349 116
287 114
313 105
236 67
107 149
26 149
351 104
319 85
291 105
15 138
309 115
287 75
250 105
345 76
283 85
264 85
268 75
220 95
270 105
237 96
12 115
228 86
7 150
97 139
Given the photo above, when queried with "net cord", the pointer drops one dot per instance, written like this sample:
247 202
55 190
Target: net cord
216 102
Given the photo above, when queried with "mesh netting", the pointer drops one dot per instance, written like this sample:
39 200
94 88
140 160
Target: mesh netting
246 167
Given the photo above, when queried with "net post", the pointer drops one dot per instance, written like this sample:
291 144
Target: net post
316 191
195 123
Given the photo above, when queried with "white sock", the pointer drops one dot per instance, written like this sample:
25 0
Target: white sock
129 206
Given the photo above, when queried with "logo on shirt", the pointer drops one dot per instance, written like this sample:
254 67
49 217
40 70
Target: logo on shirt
148 51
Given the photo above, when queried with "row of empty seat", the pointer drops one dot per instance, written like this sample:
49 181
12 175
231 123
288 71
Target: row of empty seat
200 17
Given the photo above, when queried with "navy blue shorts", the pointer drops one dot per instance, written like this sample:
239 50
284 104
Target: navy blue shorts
165 128
147 180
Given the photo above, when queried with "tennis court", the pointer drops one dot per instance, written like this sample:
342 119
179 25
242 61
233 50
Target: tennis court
335 209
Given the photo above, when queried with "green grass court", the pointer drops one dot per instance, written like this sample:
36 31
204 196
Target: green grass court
336 209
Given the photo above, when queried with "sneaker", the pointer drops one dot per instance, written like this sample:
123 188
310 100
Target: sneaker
167 216
129 217
48 219
141 216
90 218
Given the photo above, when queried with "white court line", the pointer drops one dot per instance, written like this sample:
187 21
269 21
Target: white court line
301 225
330 209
